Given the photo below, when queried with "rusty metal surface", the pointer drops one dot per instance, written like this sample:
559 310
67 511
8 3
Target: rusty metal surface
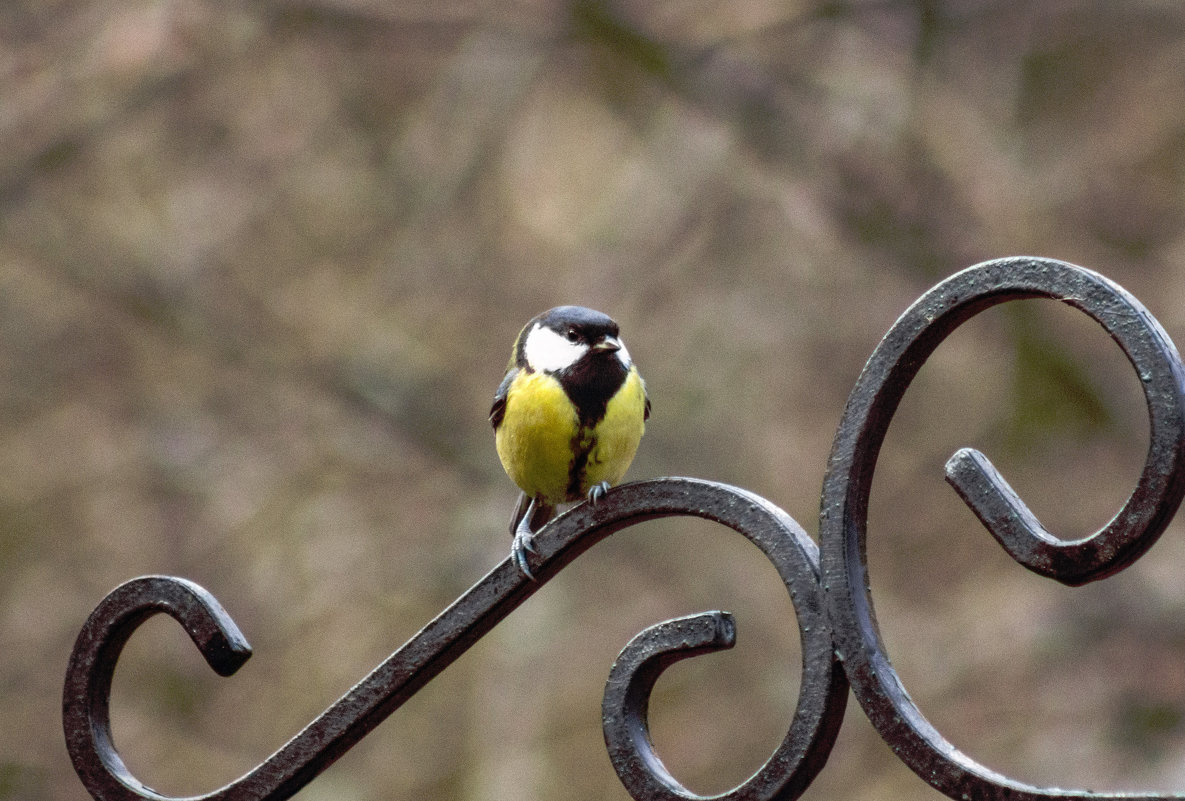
832 596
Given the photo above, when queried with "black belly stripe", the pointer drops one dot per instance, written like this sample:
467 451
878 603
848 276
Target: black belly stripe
582 446
590 384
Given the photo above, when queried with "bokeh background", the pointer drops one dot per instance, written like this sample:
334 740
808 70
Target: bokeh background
261 265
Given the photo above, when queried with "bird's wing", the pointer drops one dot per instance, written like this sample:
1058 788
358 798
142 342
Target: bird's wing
498 410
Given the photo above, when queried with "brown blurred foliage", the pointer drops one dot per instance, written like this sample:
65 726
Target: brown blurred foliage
261 265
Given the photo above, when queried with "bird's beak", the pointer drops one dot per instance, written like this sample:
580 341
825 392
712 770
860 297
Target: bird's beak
608 345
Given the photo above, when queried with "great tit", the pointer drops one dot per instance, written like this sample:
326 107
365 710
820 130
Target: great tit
567 417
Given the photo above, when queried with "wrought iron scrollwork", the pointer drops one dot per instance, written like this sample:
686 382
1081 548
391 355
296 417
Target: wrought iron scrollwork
844 512
832 599
794 555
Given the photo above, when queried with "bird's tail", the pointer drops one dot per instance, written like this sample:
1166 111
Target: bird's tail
540 513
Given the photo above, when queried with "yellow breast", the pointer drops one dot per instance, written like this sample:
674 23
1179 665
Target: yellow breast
534 440
542 445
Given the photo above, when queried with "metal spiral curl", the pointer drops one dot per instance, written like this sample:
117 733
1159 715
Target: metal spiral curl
844 511
840 639
791 768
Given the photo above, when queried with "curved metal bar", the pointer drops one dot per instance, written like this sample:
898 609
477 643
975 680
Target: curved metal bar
822 695
335 731
85 712
626 704
844 508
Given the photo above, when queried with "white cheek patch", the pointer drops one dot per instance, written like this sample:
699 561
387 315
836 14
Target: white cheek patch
548 352
623 355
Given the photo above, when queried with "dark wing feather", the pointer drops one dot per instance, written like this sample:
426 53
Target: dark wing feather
498 410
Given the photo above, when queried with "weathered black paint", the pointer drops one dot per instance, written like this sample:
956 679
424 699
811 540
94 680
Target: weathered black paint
844 508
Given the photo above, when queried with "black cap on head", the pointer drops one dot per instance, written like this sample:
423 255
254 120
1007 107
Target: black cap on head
589 323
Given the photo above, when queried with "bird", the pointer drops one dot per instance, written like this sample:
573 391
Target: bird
567 417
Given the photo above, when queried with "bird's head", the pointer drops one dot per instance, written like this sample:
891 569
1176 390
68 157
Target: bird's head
561 338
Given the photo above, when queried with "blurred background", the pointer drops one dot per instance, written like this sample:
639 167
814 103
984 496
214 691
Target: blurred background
261 265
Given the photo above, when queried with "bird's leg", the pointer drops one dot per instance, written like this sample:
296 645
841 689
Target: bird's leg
520 512
597 491
531 516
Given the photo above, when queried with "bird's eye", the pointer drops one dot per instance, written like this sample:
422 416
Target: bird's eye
572 335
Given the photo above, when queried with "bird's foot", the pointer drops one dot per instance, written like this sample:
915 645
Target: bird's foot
522 544
597 491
